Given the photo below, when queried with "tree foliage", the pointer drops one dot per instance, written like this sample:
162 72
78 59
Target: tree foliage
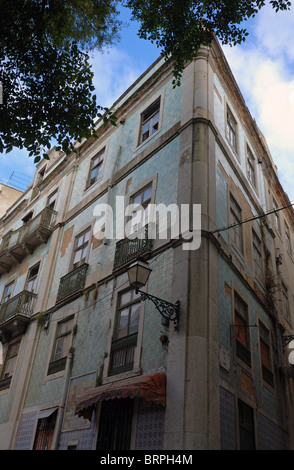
45 71
44 63
180 27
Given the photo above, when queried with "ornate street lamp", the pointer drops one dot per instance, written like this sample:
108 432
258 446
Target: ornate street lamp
138 273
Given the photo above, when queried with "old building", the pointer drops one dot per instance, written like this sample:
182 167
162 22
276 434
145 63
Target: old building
88 363
8 195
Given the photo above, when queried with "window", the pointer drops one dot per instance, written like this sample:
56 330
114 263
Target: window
96 168
265 355
246 426
62 345
251 167
81 247
63 339
241 329
7 292
27 217
285 299
126 332
235 220
276 216
115 424
231 129
10 361
257 256
287 238
40 175
141 214
32 278
52 199
149 121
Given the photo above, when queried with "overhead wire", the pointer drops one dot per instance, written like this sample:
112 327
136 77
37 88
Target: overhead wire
227 227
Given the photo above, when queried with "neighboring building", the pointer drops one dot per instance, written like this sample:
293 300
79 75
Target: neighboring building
8 195
87 364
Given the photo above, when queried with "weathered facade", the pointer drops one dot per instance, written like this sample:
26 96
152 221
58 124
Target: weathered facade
8 195
87 364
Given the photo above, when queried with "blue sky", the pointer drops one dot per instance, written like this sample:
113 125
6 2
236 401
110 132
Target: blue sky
263 67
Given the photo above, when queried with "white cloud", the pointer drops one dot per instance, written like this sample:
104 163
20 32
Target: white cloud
274 32
114 72
263 72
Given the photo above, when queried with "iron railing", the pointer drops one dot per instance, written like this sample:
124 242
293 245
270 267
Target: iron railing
72 282
44 220
128 249
122 354
21 304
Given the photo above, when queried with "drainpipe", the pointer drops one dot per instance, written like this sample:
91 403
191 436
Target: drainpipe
63 400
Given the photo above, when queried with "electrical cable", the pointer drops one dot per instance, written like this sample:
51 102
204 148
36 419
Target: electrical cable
227 227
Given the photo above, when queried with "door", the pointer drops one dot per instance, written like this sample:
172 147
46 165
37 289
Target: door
115 425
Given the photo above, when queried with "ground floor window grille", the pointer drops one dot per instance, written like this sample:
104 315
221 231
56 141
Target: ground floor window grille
115 425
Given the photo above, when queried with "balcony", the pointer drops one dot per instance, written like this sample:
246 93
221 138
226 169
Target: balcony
129 249
72 283
19 243
15 314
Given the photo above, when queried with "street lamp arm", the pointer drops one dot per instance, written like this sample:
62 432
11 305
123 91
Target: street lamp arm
166 309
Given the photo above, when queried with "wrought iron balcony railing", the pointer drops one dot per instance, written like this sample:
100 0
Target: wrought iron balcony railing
72 283
16 312
15 245
43 222
128 249
122 354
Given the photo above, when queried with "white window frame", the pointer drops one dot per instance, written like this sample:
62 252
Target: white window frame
234 218
288 239
58 336
51 199
257 253
231 131
100 156
6 373
159 97
76 247
251 167
139 189
277 222
8 295
34 279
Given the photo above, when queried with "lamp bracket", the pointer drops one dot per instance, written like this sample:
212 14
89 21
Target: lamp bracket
286 340
166 309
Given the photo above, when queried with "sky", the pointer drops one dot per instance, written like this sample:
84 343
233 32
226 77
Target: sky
263 67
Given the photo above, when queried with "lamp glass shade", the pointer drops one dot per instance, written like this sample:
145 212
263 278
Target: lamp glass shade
138 274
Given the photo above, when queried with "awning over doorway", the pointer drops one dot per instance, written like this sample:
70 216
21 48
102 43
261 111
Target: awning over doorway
150 387
47 412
